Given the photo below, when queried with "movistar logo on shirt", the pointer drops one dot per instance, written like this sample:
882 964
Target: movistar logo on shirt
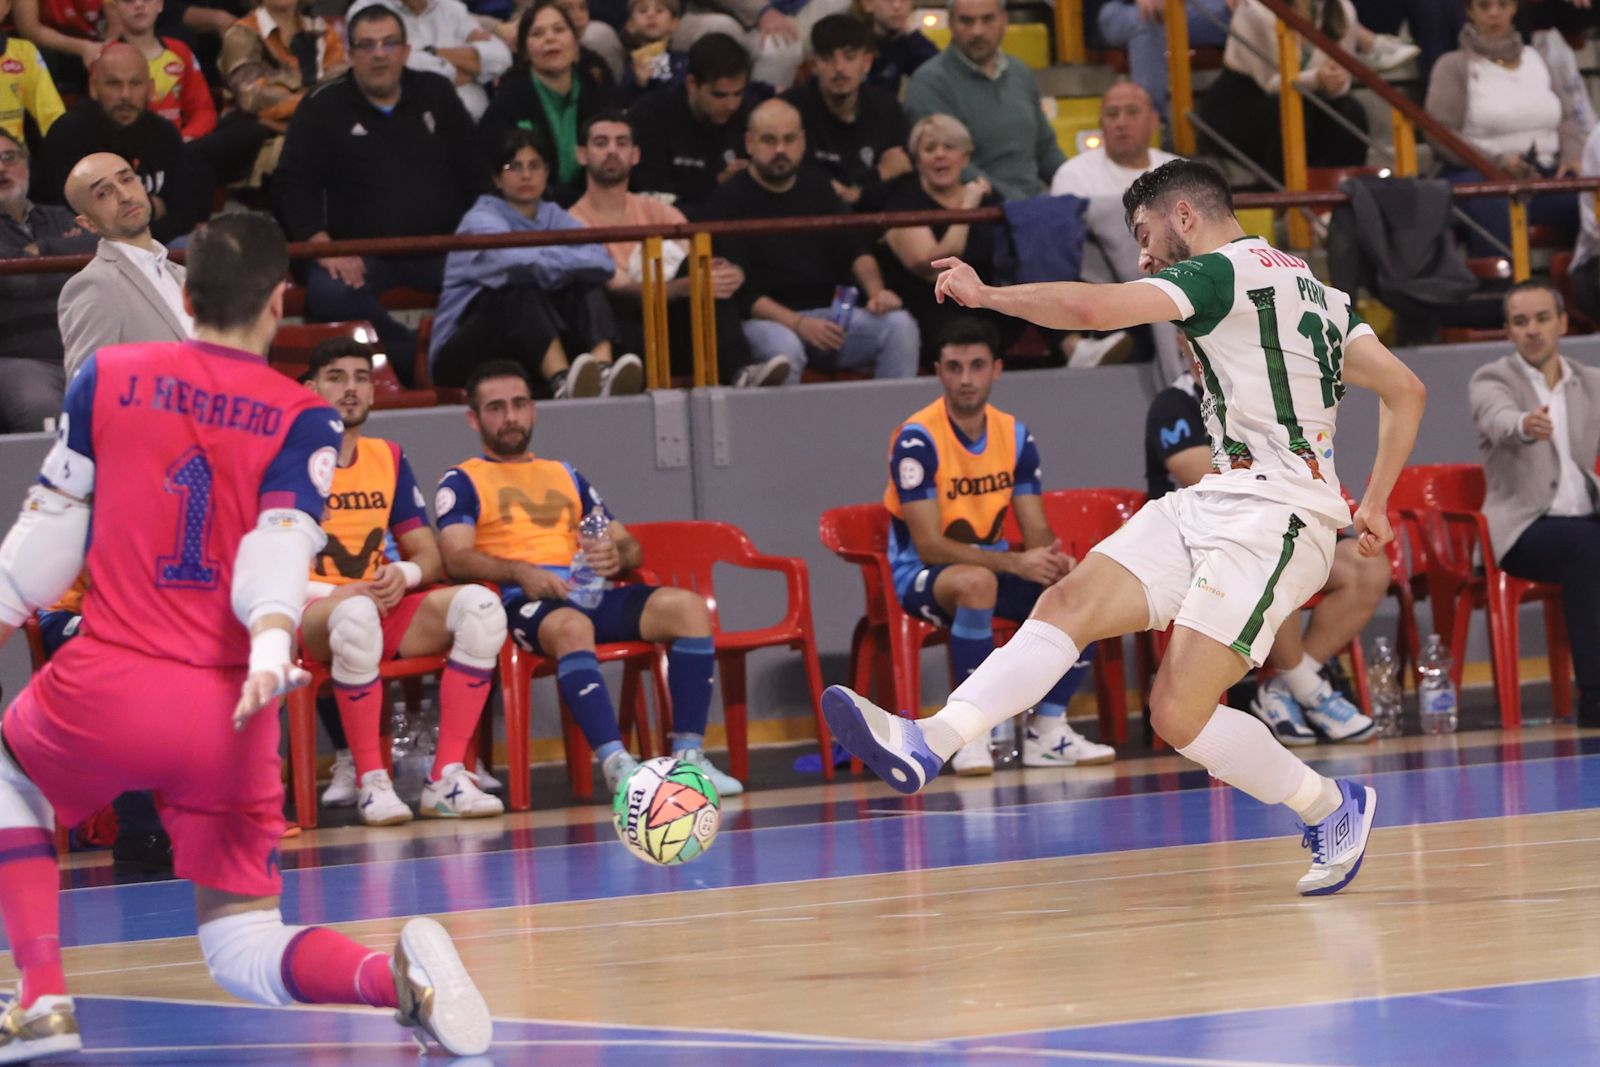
358 500
988 483
1178 431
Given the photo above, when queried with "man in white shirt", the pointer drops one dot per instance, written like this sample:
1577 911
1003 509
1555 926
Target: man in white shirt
131 293
1538 417
447 39
1128 123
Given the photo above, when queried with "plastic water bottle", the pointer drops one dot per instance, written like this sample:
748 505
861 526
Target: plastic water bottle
1003 743
845 298
587 587
1383 688
1436 693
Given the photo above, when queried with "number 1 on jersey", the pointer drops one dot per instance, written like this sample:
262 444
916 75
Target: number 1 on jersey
1329 353
188 568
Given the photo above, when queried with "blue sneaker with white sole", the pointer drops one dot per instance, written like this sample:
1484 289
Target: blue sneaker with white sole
892 746
1339 842
1339 720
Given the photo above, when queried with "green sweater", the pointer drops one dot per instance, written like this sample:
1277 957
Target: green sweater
1013 144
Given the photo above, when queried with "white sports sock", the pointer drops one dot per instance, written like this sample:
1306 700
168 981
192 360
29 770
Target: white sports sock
1303 681
1240 750
1013 679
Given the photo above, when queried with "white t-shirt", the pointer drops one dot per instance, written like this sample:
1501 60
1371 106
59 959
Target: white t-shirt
1092 173
1270 342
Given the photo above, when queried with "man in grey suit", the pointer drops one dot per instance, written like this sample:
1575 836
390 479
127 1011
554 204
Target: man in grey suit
1539 420
131 292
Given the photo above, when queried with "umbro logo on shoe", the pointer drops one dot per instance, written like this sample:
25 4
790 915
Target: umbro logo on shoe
1341 834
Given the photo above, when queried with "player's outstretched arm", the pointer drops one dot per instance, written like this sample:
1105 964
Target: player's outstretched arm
1057 305
1369 364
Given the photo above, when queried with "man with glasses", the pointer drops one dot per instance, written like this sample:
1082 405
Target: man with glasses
30 344
381 152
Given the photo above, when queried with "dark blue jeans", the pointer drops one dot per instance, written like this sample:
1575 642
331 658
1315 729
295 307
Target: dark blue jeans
1493 213
1566 552
330 300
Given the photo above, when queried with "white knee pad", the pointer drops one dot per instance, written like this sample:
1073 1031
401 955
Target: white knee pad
244 953
355 634
21 804
479 624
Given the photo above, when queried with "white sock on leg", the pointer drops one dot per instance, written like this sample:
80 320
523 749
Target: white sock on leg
1304 681
1240 750
1013 679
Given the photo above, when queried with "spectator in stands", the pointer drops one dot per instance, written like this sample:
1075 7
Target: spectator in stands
381 152
30 342
952 564
772 33
856 133
902 48
116 119
994 95
131 292
1495 92
652 63
942 149
1538 417
609 154
270 58
1242 104
178 91
1140 27
528 551
26 88
790 281
597 38
1128 123
691 139
364 608
74 28
1585 275
1434 26
1300 701
532 304
445 39
546 91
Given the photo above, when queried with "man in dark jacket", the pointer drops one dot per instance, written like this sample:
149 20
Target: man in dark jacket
381 152
691 138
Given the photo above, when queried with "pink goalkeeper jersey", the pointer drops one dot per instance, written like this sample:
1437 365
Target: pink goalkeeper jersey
191 442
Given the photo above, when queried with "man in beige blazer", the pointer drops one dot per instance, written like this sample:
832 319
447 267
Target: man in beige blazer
1538 418
131 292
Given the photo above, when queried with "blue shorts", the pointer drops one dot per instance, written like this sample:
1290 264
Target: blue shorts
615 618
56 627
1014 599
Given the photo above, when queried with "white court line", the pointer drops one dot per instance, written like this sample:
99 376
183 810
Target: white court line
1131 1057
760 1046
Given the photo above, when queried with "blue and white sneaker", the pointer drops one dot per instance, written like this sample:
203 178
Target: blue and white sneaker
1276 706
1338 842
1338 720
892 746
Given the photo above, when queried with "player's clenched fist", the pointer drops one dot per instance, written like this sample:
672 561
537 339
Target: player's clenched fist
1372 531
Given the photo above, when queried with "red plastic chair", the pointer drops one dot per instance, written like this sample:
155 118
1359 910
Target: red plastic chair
1450 522
291 354
685 555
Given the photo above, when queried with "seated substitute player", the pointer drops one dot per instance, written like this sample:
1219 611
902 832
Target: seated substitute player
955 468
365 610
213 465
525 539
1227 559
1298 697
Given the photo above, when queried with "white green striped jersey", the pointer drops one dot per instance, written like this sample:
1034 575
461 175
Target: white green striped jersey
1270 342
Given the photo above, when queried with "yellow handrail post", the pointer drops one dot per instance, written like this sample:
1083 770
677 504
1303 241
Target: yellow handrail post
1180 78
1521 265
1069 32
653 299
1291 111
1405 146
703 311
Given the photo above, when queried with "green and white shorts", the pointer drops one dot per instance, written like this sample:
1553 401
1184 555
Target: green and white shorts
1229 565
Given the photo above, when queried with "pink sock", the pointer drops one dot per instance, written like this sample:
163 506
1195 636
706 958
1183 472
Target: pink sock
462 692
28 900
324 967
360 707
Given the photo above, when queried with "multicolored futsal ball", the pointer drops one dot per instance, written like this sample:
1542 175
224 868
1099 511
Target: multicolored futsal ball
667 812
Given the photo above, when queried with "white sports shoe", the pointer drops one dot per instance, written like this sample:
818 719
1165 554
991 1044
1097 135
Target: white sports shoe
624 377
727 785
1339 842
973 759
342 790
1389 52
1276 706
585 377
1338 719
618 768
1052 742
380 804
486 780
768 373
46 1028
456 796
437 996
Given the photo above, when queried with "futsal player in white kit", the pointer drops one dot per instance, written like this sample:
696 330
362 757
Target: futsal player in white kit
1226 560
